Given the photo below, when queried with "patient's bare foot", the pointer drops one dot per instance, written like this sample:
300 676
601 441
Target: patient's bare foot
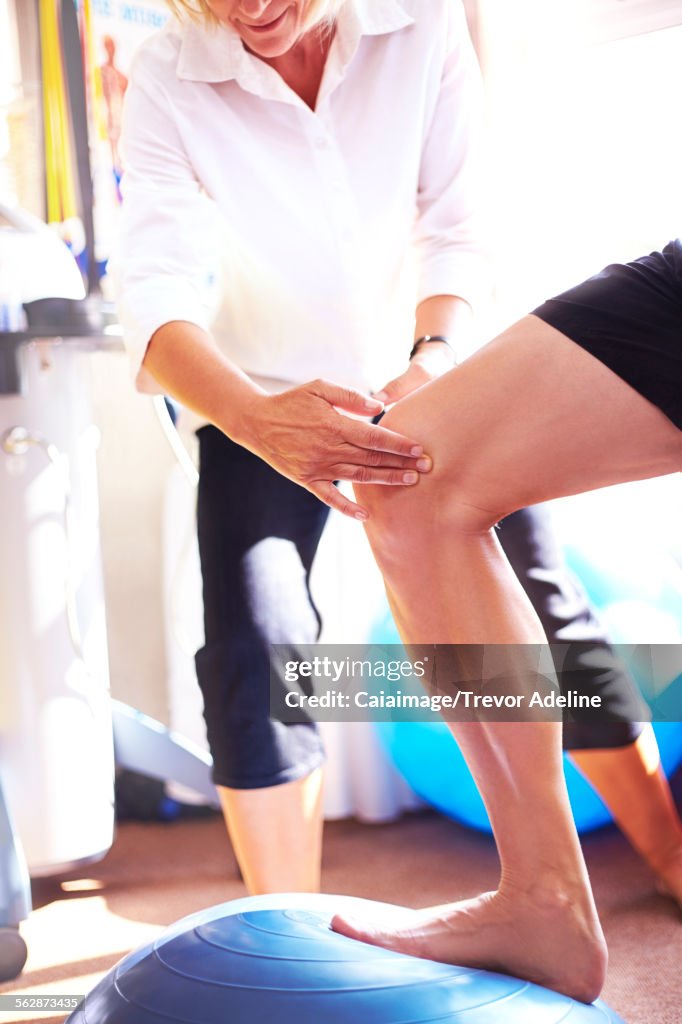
544 937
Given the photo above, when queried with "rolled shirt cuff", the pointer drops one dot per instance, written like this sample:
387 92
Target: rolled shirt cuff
143 308
467 275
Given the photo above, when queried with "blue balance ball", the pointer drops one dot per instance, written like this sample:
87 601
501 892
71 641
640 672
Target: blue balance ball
274 959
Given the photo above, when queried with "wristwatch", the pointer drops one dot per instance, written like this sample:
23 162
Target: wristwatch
426 339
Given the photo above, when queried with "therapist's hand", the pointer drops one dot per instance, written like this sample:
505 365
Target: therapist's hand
430 361
303 435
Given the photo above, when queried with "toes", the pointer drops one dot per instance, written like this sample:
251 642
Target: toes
349 927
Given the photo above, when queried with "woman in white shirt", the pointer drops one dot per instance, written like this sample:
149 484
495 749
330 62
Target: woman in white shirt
305 150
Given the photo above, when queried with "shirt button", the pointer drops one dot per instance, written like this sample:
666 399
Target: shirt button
321 142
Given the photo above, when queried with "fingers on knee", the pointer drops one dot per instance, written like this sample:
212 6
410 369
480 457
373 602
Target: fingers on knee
447 501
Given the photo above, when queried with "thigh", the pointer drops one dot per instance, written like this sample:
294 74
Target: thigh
533 416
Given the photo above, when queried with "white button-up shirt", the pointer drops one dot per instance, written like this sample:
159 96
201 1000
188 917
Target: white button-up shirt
327 226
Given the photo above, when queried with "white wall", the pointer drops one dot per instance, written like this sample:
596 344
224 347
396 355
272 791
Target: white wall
585 146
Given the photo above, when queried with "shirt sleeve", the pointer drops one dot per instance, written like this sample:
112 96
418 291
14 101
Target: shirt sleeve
450 231
166 246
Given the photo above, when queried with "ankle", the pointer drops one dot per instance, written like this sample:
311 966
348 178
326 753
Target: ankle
557 897
556 889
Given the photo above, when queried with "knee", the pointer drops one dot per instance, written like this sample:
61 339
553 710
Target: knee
445 503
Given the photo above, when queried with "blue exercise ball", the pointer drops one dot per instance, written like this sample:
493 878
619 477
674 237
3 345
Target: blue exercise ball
274 958
427 756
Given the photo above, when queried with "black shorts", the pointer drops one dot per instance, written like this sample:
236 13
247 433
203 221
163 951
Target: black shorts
630 318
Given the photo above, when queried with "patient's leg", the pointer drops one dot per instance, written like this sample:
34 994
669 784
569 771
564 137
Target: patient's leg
530 417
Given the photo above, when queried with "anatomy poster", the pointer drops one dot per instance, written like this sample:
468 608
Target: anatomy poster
112 30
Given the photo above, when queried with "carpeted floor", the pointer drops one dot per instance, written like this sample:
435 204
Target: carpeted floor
157 873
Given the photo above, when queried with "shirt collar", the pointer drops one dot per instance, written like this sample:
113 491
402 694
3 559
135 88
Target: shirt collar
216 54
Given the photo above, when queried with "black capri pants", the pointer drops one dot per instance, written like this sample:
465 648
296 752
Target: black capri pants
258 533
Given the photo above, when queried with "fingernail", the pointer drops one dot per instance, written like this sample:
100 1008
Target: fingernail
410 478
417 450
424 464
361 514
380 396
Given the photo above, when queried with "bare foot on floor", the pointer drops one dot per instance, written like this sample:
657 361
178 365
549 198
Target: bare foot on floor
546 939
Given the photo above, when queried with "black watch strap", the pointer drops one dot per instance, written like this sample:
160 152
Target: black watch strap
426 339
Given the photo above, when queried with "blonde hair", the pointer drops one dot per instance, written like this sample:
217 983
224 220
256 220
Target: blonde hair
320 13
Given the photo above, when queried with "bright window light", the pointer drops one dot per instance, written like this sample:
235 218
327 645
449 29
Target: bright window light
585 142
